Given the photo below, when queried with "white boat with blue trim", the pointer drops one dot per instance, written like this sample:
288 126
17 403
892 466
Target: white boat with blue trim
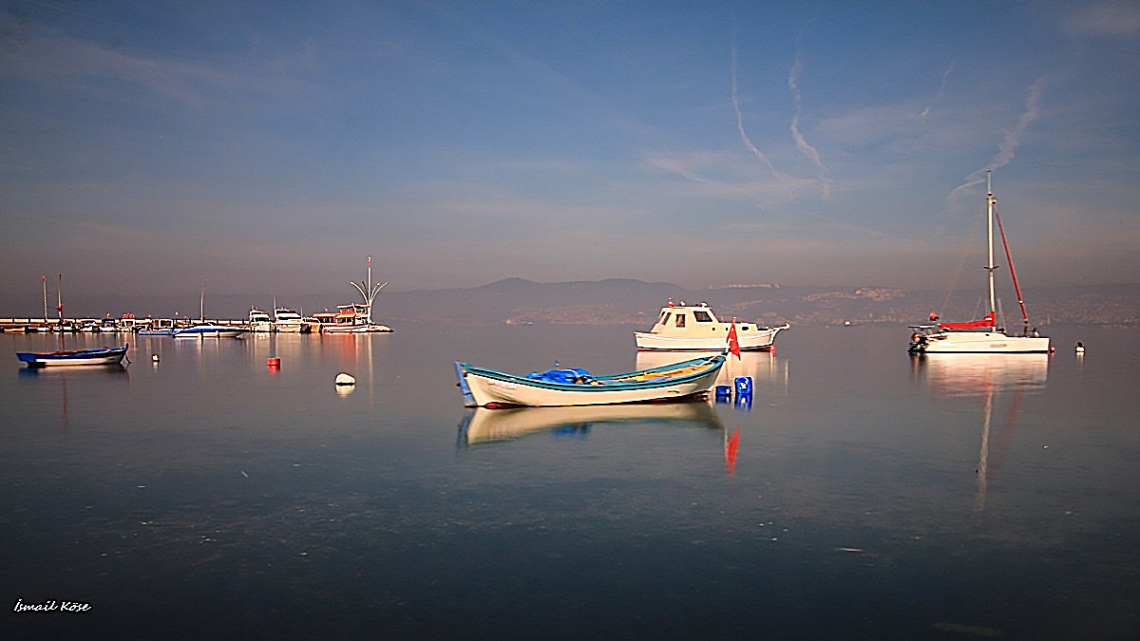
72 357
209 330
564 387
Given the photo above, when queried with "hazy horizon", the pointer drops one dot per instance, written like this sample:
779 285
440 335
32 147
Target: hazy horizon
148 148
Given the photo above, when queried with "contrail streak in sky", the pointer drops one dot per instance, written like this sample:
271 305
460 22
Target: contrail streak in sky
941 91
740 118
801 142
1009 145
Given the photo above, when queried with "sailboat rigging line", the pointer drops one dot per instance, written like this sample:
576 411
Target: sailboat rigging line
1012 271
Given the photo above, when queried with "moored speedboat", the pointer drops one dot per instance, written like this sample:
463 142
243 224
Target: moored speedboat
687 379
209 330
99 356
696 327
287 321
982 335
260 322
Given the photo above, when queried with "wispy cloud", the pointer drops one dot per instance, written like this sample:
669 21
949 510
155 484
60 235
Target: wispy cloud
1012 140
801 143
938 97
1106 18
62 61
740 116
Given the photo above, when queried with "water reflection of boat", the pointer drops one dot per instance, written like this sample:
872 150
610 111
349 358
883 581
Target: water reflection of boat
980 374
483 425
985 376
118 370
763 367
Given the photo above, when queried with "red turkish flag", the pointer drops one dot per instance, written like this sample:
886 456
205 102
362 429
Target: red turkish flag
733 343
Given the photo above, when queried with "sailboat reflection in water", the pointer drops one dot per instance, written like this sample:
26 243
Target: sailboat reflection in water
986 376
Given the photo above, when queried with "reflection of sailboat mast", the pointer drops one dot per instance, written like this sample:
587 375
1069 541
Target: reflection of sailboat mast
984 454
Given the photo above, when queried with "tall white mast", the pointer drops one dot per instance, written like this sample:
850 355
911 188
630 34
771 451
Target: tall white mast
202 302
43 277
990 267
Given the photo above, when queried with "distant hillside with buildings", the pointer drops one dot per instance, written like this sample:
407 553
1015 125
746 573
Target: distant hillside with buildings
635 302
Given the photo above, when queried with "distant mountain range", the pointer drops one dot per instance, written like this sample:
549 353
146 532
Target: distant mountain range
635 302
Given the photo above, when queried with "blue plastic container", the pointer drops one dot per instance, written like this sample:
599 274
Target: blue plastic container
723 391
744 386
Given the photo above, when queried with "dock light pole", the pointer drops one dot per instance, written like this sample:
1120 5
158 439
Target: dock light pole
368 290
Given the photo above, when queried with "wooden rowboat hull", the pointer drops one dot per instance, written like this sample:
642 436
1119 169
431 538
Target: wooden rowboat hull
103 356
688 379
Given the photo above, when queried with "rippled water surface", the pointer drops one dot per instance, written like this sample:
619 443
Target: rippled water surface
859 494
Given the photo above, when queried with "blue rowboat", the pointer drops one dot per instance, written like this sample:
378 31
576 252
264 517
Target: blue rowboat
687 379
99 356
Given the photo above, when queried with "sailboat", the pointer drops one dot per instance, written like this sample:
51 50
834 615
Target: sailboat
982 335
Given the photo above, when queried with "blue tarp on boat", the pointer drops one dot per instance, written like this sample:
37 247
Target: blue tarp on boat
568 375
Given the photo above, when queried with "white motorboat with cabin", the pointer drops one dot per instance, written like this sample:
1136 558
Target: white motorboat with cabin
983 335
260 322
287 321
696 328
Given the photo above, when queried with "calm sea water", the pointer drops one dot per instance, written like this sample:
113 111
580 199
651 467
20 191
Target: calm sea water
860 494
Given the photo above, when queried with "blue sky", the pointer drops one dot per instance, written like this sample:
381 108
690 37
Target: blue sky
270 147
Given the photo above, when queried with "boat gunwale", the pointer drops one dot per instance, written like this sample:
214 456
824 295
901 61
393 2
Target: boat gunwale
75 357
610 383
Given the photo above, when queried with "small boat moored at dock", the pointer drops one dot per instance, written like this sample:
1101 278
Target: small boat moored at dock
561 387
287 321
260 322
98 356
209 330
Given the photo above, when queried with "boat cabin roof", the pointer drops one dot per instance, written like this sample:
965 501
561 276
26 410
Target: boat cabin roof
700 313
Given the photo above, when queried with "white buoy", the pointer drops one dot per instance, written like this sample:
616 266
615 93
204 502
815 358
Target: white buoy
345 379
154 357
1080 348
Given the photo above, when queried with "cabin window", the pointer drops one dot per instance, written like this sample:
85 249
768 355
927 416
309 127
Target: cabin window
665 317
702 316
680 320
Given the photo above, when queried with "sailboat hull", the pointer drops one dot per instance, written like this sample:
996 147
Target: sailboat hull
979 343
